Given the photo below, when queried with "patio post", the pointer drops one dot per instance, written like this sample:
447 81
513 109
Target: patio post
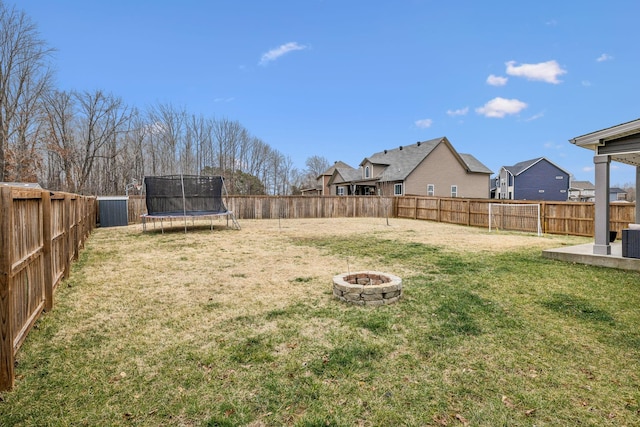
601 224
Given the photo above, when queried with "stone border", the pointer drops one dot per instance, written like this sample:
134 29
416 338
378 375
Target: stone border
368 288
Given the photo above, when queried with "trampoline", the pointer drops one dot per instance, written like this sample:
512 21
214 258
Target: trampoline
180 197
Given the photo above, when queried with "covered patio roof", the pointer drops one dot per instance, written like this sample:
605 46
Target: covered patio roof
620 143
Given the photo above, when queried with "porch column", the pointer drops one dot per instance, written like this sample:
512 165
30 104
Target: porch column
601 223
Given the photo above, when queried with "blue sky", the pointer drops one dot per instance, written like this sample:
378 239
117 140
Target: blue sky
505 81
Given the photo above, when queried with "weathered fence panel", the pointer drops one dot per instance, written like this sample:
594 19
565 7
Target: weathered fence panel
39 234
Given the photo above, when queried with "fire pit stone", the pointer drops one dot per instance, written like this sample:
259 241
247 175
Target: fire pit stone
367 288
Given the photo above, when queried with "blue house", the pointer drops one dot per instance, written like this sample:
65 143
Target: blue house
535 179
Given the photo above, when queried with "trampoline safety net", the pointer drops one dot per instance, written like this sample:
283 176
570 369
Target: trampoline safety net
184 195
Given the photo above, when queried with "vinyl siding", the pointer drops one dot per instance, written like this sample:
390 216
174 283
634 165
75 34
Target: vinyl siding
442 168
542 176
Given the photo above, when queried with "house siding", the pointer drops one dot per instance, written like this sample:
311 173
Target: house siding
442 168
542 176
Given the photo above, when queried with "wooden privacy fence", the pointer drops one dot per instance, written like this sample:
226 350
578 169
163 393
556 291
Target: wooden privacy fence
40 234
572 218
274 207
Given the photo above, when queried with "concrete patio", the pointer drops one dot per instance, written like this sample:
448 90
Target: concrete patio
583 254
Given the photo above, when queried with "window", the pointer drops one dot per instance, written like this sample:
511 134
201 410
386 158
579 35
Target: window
340 191
431 190
367 172
454 191
397 190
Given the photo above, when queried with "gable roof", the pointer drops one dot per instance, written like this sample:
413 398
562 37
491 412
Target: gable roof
341 175
336 165
403 160
520 167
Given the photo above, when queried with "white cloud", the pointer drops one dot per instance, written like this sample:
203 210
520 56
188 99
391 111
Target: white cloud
458 112
544 71
496 80
586 83
588 168
535 117
500 107
276 53
604 57
424 123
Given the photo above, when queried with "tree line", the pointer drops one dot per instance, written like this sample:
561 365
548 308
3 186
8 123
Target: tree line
91 142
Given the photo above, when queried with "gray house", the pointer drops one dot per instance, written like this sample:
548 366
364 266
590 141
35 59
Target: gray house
535 179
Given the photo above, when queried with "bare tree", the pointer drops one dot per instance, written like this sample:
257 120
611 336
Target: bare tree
102 118
24 76
316 165
59 140
167 126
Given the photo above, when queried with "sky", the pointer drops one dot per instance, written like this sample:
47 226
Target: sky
505 81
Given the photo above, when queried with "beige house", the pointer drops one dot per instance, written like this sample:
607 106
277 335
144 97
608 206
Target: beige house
427 168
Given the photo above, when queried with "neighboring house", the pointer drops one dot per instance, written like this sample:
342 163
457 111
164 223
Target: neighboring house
322 181
617 195
536 179
582 191
429 168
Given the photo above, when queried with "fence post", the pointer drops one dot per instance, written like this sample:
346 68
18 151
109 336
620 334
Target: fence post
7 374
46 242
67 235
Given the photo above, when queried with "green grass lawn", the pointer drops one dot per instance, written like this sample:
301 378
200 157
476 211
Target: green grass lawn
478 339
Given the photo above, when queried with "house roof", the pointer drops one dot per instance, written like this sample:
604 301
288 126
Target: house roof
582 185
336 165
474 165
616 190
520 167
403 160
344 174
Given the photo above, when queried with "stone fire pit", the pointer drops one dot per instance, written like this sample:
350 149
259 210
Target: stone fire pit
367 288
